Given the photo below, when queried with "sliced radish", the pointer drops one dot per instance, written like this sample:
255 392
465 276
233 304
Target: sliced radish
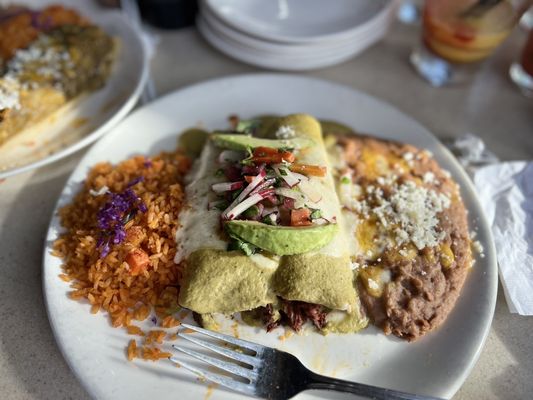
263 185
266 192
238 209
227 186
291 193
287 175
313 194
251 186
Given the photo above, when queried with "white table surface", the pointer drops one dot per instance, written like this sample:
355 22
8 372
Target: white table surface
31 365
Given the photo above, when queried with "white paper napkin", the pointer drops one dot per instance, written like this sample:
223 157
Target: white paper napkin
506 194
505 190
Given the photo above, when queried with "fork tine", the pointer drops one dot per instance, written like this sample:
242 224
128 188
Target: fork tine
224 365
221 380
230 339
235 355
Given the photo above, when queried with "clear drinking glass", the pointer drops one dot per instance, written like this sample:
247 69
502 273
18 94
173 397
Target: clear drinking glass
457 34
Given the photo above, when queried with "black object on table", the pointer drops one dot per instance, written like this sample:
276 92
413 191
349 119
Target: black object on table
169 14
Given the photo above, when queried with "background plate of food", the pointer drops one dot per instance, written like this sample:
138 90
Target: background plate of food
126 267
68 74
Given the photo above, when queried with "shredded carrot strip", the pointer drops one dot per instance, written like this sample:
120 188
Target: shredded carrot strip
304 169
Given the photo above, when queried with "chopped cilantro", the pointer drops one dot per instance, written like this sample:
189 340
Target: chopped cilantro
236 193
345 180
252 212
248 159
279 182
282 172
269 219
128 217
247 126
316 214
284 149
222 206
245 247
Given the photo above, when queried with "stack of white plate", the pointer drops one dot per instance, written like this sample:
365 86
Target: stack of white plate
294 35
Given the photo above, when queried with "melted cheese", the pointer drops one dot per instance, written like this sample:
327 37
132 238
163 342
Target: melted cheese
200 227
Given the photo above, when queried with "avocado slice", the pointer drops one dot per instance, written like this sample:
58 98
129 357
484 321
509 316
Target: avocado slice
282 240
245 142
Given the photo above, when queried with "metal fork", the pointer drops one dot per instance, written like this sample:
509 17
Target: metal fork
270 373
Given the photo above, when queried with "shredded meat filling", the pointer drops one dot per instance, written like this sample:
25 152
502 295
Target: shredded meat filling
269 318
296 313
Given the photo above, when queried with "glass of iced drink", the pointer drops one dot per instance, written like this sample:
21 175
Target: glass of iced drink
457 33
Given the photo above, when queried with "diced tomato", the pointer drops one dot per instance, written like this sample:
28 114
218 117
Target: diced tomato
138 261
304 169
263 151
300 217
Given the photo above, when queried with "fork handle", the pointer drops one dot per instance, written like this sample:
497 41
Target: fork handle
373 392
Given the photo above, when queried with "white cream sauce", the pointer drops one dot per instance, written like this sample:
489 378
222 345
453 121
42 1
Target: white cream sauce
329 204
200 227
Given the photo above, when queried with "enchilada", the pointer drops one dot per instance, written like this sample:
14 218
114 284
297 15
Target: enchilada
263 231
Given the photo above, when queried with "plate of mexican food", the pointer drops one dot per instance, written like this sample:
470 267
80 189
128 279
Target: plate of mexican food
67 74
284 210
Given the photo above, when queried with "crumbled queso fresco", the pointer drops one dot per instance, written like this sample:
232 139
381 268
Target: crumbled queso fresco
41 58
285 132
9 94
412 210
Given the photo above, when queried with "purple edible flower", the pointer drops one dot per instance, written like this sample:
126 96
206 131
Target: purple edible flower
115 213
103 245
136 181
147 163
142 207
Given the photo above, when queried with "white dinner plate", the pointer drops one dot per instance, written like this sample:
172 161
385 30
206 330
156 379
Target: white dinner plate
297 21
379 25
435 365
83 120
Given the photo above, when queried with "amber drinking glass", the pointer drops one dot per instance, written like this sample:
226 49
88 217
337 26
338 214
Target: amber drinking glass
457 33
